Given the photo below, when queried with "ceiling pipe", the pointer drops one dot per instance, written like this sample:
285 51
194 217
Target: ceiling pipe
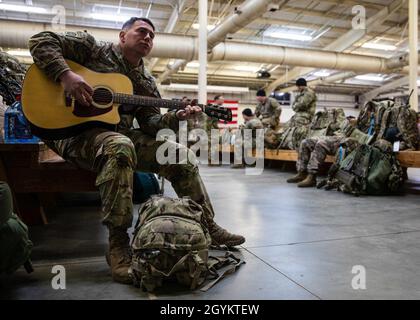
323 80
173 19
413 17
16 35
385 88
343 42
242 16
178 64
235 51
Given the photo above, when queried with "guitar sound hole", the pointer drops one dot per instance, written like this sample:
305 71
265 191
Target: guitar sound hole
102 96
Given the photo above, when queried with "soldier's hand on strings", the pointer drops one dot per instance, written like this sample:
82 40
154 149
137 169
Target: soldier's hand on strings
188 113
77 87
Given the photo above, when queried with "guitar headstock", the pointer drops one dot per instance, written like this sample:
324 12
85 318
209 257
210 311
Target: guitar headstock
220 113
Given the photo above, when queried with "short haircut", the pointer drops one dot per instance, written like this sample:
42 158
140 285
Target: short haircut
217 97
129 23
247 112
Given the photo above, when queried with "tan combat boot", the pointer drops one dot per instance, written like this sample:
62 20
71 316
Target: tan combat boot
220 236
300 176
310 181
119 255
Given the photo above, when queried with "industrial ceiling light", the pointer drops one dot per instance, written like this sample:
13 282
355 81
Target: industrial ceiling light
379 46
193 64
289 32
369 77
289 36
246 68
209 27
322 73
118 9
114 13
25 9
194 88
109 17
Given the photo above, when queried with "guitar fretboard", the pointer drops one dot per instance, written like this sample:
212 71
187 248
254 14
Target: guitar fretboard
123 98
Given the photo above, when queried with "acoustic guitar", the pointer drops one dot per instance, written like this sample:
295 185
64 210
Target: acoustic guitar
53 114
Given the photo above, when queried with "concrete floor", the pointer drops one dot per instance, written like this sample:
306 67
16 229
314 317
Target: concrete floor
301 244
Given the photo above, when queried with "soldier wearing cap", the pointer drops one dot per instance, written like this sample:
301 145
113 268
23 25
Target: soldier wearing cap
268 110
303 106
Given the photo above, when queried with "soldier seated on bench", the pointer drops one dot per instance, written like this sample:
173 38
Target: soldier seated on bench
114 155
313 152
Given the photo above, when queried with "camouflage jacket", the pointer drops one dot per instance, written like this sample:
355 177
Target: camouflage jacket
50 50
270 109
11 77
253 124
305 104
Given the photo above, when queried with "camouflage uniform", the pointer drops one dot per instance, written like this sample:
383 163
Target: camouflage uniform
114 155
269 113
252 124
304 108
12 73
196 122
211 123
313 151
296 129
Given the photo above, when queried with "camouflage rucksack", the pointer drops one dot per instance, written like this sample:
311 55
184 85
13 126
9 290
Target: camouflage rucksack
368 169
291 138
370 117
350 131
15 246
271 138
11 77
404 119
170 242
326 122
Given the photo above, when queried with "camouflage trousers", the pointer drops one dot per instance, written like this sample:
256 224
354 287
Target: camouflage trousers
313 151
115 156
271 122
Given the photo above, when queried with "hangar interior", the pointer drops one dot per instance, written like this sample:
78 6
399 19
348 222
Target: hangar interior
301 243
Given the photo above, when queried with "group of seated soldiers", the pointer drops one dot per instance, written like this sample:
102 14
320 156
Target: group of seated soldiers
318 134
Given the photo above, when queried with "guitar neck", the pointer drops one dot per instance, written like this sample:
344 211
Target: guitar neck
143 101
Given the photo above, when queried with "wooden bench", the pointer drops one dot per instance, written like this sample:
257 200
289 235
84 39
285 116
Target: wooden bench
35 173
408 159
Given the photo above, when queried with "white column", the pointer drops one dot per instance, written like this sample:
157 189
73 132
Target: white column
413 34
202 52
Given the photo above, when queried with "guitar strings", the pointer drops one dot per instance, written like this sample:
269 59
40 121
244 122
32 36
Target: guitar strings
103 95
151 99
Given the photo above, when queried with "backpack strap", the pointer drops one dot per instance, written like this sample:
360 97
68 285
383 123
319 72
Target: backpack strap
200 270
372 124
174 268
222 266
